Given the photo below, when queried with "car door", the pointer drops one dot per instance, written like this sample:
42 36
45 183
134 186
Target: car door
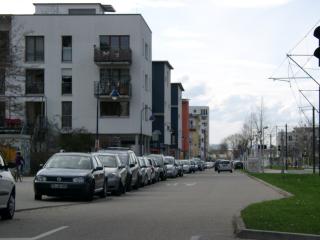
98 174
134 168
122 171
5 184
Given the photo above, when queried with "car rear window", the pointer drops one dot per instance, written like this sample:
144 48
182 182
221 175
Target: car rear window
108 161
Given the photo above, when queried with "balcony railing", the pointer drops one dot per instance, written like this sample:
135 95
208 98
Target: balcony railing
118 56
104 89
34 88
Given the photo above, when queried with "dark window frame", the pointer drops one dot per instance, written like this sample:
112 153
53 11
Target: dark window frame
37 53
30 86
65 86
66 118
2 81
113 109
108 45
63 41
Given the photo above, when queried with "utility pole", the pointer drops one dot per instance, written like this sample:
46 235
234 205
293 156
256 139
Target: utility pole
313 141
281 152
286 147
270 160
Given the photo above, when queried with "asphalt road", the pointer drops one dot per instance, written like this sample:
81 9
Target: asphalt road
196 207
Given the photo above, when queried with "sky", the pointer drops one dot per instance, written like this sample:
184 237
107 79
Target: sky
225 51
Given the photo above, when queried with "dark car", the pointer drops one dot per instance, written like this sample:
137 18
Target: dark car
179 168
162 169
129 159
115 172
71 174
216 164
237 164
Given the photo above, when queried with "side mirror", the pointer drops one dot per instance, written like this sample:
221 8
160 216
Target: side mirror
132 165
121 167
99 168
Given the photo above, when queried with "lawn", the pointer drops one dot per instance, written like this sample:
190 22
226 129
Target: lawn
300 213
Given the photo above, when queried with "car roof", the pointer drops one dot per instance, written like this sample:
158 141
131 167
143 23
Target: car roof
74 153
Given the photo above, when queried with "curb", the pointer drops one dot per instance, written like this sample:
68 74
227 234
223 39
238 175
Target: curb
244 233
279 190
241 231
44 207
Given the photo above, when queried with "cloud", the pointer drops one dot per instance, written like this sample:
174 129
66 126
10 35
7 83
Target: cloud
250 3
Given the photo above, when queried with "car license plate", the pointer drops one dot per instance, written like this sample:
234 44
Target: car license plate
59 186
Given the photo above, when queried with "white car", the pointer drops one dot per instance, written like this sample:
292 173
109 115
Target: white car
224 165
7 192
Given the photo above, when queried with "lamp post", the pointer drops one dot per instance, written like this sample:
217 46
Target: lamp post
262 148
151 118
114 96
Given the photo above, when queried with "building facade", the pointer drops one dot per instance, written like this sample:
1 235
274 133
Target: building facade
176 120
185 129
161 102
68 60
199 130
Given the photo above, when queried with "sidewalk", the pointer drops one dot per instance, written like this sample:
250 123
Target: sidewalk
25 197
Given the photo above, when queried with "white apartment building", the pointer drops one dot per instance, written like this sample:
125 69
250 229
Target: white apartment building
69 59
200 115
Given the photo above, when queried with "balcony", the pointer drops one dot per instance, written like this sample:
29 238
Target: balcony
112 56
103 89
35 88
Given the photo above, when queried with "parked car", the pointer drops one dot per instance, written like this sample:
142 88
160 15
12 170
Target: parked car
129 159
143 176
193 166
151 175
115 172
216 164
156 168
237 164
179 168
171 165
159 159
186 166
224 165
209 165
8 192
199 165
71 174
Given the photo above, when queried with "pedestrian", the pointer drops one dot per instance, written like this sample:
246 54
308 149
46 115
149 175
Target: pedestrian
19 166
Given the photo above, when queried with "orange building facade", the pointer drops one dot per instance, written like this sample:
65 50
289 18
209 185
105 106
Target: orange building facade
185 129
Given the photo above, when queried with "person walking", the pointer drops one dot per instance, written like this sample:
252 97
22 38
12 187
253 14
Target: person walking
19 166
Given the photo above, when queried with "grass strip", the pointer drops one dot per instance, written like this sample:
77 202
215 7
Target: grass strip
299 214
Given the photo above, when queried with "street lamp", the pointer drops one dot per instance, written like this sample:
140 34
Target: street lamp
114 96
151 118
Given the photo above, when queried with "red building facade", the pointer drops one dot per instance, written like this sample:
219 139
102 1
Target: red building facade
185 128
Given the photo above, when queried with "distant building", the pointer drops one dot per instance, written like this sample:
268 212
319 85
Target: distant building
185 129
161 106
199 130
176 119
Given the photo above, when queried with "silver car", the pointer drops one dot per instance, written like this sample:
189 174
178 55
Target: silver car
150 171
186 166
172 170
224 165
7 192
115 172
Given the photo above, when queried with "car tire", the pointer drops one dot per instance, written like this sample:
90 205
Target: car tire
37 197
218 171
8 212
129 187
120 190
103 193
231 171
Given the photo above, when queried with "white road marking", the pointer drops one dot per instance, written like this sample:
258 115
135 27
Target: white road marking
198 237
190 184
172 184
39 236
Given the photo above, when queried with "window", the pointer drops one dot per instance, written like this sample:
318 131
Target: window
4 46
110 78
66 48
2 81
114 109
34 81
82 11
2 113
146 51
66 81
146 82
146 111
66 119
116 42
34 48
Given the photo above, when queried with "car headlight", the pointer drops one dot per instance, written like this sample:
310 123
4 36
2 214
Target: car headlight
41 178
78 180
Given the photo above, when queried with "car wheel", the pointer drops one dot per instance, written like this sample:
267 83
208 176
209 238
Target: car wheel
129 187
37 197
231 171
8 212
218 171
103 193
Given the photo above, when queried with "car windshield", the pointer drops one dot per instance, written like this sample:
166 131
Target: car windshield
108 160
141 162
69 161
169 160
224 162
124 157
